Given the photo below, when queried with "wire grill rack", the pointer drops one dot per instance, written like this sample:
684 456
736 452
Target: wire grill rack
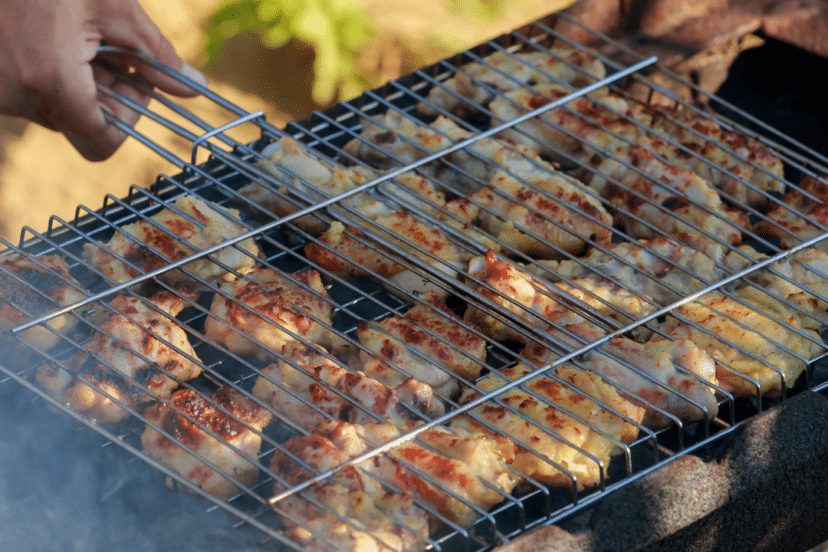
373 297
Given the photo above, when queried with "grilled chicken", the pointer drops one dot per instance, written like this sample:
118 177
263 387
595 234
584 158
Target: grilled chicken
347 251
427 343
235 422
379 214
752 338
670 387
739 165
257 314
522 201
309 388
542 306
528 205
663 268
648 191
471 86
541 215
176 232
800 215
396 140
561 432
516 293
648 179
357 516
311 179
801 279
585 126
301 171
410 190
340 252
136 346
455 475
351 510
317 179
666 377
31 287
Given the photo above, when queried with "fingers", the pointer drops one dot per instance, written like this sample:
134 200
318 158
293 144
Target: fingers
95 141
58 85
122 23
72 107
131 26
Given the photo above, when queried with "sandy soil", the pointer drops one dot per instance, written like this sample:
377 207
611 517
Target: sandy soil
41 175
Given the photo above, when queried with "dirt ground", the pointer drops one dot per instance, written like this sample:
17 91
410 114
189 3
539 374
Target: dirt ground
42 176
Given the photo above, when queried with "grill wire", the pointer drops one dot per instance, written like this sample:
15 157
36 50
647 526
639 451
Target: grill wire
374 297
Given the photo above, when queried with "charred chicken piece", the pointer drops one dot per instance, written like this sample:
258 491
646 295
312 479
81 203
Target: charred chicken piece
512 190
801 279
663 268
446 470
549 307
564 422
310 388
799 215
341 252
427 343
542 215
475 84
352 510
394 140
604 121
750 336
31 287
135 343
680 366
189 225
670 199
303 174
317 179
525 194
582 128
515 293
331 517
189 418
259 313
737 164
665 377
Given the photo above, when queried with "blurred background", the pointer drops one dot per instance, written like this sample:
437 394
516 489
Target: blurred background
285 57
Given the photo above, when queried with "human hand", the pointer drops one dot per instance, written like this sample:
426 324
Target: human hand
46 74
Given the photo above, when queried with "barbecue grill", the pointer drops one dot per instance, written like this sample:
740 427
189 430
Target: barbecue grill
373 297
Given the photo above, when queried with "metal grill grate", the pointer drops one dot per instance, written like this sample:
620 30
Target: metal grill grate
366 299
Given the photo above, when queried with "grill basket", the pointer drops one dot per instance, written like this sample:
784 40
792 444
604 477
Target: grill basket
367 299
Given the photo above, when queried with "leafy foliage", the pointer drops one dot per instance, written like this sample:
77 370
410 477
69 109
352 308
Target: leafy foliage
336 29
483 9
347 60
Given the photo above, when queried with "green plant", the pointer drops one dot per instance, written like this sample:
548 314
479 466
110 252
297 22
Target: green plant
347 60
336 29
482 9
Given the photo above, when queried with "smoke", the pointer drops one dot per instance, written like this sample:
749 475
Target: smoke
63 489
